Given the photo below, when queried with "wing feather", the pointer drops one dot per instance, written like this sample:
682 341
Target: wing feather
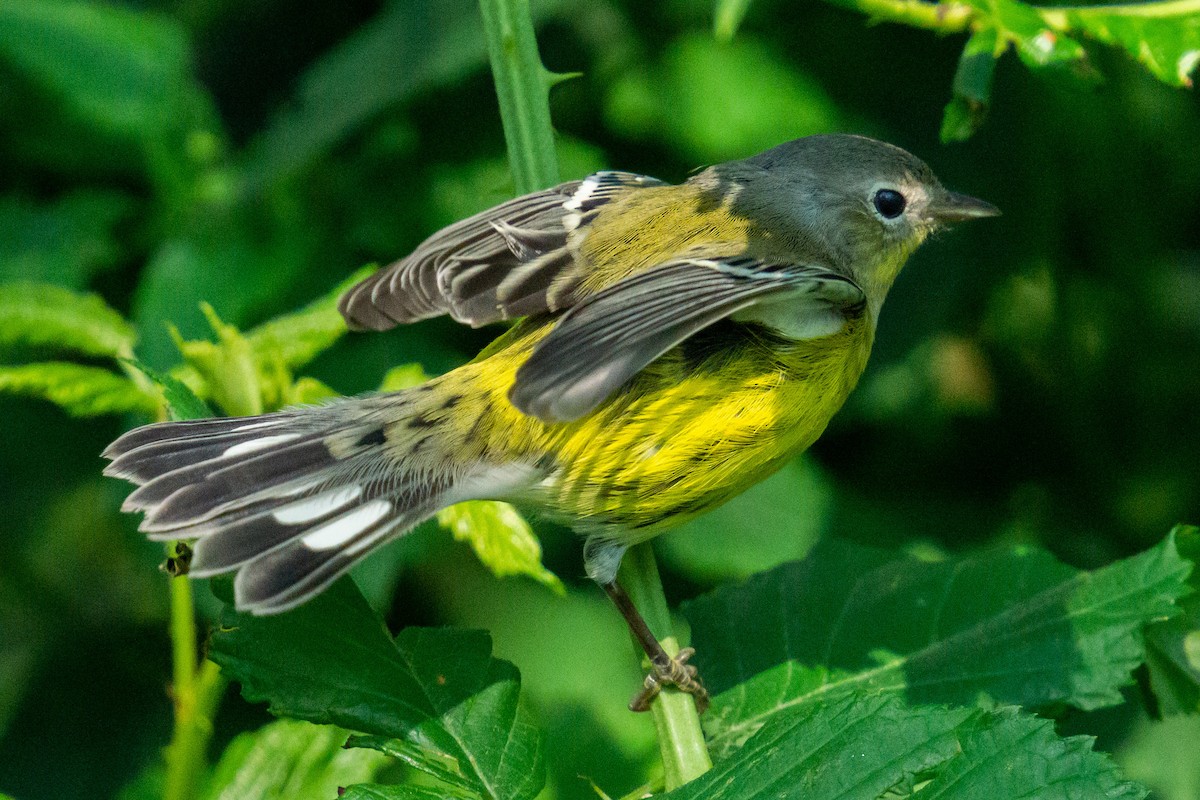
609 337
459 270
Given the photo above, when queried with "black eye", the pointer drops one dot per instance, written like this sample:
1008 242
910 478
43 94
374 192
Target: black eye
889 203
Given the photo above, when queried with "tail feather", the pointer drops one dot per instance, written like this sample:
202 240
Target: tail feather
292 500
286 576
231 482
178 432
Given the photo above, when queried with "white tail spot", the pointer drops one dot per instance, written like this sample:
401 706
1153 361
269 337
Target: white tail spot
254 445
317 507
343 529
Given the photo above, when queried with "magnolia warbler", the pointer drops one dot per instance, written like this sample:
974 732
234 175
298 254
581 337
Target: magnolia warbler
679 343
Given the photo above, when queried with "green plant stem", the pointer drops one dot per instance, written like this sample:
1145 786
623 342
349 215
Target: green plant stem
196 689
523 88
948 17
680 738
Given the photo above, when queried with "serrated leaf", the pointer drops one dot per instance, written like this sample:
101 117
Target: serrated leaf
1014 755
182 402
1173 645
874 746
43 315
445 770
299 337
972 87
80 390
500 537
332 661
123 70
290 760
1011 625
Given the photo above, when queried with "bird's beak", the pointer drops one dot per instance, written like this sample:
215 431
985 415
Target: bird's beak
953 207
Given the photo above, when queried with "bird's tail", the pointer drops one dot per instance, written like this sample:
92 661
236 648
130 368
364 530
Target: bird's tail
292 500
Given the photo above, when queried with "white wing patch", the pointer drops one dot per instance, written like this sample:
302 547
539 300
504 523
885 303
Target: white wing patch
334 534
254 445
317 507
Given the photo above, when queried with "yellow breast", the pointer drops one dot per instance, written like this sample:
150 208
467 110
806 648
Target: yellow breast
698 426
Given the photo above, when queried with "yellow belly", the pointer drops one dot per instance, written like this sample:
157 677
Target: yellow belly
689 432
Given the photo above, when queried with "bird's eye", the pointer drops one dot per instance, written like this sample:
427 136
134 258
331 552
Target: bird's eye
889 203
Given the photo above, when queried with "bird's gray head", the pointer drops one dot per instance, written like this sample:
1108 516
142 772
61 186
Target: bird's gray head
864 203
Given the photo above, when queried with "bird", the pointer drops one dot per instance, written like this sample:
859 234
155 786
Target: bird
670 345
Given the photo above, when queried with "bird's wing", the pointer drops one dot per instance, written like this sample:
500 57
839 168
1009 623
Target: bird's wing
610 336
459 270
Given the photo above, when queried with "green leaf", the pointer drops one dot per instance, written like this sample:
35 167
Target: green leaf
295 339
874 746
972 87
290 760
229 368
1012 625
332 661
1165 37
1036 44
1173 645
125 71
81 391
39 314
404 376
63 242
182 402
446 770
501 538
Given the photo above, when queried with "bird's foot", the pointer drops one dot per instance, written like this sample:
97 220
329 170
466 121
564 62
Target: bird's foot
673 672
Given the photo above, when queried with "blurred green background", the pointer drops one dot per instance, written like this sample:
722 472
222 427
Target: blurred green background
1034 377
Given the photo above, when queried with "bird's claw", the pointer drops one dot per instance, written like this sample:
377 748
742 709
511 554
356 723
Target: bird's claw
676 672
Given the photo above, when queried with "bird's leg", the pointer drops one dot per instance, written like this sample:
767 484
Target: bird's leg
664 669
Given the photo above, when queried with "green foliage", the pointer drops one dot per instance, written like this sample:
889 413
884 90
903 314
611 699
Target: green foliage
1163 36
293 340
439 690
121 70
900 752
289 760
411 46
181 402
501 538
1032 392
44 315
1011 626
79 390
884 668
724 121
1173 645
65 242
